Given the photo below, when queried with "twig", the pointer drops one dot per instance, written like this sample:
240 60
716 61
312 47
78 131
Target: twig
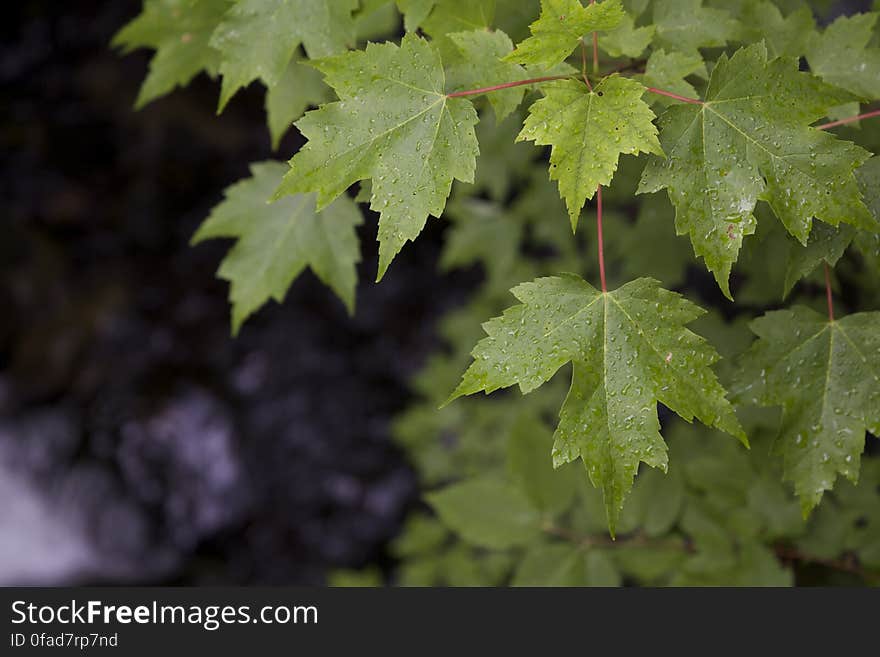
600 240
584 65
851 119
506 85
669 94
828 292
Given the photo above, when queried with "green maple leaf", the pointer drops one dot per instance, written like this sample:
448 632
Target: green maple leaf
504 164
415 12
588 130
449 16
649 247
869 245
560 28
477 62
439 17
686 25
179 31
277 241
630 350
668 71
514 16
840 56
482 232
846 111
393 124
503 519
636 7
784 35
869 242
826 244
298 89
258 38
375 20
627 40
868 176
826 376
750 140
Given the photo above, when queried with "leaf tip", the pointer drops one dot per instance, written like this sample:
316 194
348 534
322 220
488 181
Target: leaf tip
223 101
458 392
280 192
143 99
235 323
723 280
612 512
807 506
612 527
198 237
388 249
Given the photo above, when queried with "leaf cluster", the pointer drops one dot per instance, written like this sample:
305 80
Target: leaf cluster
706 149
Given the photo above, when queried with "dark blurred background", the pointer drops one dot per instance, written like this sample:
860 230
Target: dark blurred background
139 442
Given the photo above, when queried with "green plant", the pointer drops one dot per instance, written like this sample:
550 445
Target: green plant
738 110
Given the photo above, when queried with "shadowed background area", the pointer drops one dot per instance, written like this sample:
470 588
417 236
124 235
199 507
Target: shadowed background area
139 442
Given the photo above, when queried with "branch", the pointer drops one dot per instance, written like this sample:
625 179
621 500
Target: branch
636 538
846 564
